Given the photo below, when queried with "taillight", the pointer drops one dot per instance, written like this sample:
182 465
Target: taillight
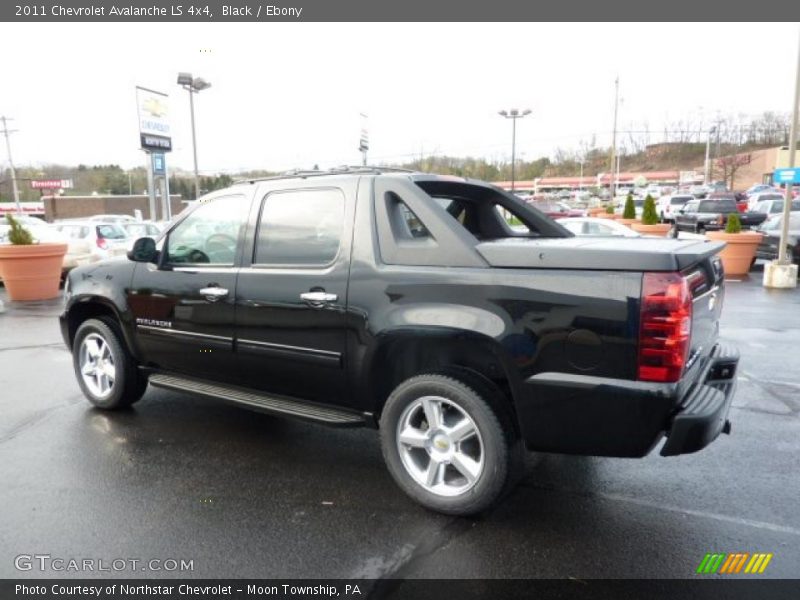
101 243
665 326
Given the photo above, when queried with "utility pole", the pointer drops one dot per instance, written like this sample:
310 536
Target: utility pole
611 163
6 133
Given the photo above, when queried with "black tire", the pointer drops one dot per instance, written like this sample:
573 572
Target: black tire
500 448
128 384
699 228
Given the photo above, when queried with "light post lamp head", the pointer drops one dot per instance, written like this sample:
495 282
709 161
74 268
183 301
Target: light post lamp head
184 79
199 84
503 113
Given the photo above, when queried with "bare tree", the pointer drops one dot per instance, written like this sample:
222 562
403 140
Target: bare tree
729 165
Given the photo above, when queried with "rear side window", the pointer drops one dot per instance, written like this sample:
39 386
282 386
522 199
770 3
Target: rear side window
414 226
301 227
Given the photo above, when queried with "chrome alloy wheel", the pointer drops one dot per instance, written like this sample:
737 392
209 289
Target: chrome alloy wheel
440 446
97 365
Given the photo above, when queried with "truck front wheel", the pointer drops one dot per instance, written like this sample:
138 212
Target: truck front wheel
447 443
106 372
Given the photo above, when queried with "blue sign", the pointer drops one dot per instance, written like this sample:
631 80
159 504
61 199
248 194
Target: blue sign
159 163
786 176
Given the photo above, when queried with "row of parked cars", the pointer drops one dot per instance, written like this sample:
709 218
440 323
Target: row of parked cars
89 240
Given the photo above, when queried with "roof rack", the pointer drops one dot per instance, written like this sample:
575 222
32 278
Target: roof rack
303 173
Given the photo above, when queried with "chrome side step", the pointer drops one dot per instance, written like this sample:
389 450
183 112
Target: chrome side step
270 403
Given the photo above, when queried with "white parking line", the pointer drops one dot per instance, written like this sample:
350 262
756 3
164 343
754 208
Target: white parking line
703 514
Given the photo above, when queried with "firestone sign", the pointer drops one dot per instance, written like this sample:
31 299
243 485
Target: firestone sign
154 129
51 184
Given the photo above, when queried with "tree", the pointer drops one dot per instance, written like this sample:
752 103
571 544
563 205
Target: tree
729 165
649 214
630 209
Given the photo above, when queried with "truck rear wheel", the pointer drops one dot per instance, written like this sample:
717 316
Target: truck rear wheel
106 372
446 445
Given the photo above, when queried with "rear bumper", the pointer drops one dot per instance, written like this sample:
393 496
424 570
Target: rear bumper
597 416
703 414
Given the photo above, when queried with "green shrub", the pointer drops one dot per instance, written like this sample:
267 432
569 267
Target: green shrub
630 210
18 235
649 214
610 209
734 224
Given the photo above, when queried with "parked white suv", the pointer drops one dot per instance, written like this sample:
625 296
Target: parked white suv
667 206
90 241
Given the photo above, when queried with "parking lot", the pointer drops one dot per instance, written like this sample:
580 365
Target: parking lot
242 494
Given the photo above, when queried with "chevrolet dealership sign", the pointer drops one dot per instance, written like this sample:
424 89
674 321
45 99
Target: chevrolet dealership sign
154 129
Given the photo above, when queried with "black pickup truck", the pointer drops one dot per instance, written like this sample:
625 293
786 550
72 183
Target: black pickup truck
712 214
405 302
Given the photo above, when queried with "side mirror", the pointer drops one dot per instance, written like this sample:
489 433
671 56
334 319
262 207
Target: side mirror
144 250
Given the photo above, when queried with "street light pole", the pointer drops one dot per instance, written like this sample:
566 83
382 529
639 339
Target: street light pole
787 200
614 135
14 187
193 85
514 114
708 155
782 273
194 146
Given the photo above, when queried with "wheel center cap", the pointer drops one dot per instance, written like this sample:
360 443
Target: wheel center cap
441 442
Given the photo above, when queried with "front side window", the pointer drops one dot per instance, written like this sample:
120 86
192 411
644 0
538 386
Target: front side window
210 234
300 227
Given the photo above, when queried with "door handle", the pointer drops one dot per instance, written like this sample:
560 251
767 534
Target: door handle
213 293
318 298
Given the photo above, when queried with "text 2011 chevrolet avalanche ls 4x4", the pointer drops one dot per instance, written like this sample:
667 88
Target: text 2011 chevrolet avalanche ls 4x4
406 302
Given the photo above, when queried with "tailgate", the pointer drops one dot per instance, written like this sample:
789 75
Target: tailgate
706 281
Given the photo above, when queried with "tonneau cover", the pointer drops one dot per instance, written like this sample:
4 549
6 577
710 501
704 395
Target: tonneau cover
597 253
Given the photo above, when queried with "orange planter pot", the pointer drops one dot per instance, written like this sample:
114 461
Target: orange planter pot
628 222
32 272
593 212
738 254
605 215
659 229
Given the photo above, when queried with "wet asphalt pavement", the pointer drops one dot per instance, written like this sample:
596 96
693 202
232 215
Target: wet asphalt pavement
243 494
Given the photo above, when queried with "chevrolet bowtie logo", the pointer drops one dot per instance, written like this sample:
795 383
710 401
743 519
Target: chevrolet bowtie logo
737 562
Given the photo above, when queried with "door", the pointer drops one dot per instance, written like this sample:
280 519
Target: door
292 292
184 307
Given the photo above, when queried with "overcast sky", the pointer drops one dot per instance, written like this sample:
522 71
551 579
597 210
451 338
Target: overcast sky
287 95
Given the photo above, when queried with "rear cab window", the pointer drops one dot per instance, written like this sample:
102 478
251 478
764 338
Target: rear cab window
718 206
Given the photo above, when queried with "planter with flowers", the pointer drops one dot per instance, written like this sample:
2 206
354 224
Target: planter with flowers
596 211
608 213
740 248
649 224
30 270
